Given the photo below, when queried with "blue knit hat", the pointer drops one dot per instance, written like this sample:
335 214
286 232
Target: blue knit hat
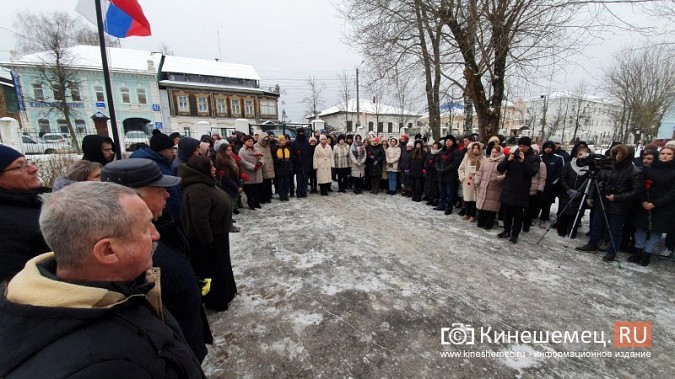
7 156
187 146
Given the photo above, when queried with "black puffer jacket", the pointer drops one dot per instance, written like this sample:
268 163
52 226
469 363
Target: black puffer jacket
662 195
625 182
572 176
102 331
303 155
416 163
20 236
447 164
431 177
376 158
518 179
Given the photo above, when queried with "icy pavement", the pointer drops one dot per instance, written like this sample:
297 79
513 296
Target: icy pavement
362 285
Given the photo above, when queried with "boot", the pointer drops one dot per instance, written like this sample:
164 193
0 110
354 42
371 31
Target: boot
448 211
504 234
646 257
636 257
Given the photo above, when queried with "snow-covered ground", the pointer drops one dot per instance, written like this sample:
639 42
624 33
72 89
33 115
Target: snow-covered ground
362 285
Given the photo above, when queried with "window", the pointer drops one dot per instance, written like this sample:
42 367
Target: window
220 106
124 91
248 104
99 93
380 127
350 126
140 92
202 105
63 126
183 105
268 107
75 92
390 127
38 92
370 126
58 93
236 110
44 126
80 126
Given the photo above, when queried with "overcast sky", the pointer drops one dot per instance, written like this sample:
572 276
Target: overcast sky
284 40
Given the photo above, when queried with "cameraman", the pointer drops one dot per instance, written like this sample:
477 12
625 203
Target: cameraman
621 187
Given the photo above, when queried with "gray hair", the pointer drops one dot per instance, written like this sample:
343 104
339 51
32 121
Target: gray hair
80 170
75 218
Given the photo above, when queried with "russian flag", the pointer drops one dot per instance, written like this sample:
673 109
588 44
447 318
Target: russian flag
121 18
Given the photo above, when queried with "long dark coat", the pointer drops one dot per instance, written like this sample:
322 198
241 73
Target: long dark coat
516 189
572 176
662 195
447 164
431 178
376 157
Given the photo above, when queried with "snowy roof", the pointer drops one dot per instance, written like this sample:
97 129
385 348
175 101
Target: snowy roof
210 86
569 95
208 67
366 106
89 57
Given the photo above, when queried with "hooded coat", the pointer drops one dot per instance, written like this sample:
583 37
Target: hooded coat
518 179
57 329
303 157
392 157
263 145
489 181
20 235
206 214
624 180
323 162
91 148
467 173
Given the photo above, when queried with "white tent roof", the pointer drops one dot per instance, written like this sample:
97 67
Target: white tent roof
209 67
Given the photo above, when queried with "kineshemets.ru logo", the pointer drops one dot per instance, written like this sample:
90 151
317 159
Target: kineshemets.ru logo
627 334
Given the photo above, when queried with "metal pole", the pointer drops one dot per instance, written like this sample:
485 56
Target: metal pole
106 78
358 109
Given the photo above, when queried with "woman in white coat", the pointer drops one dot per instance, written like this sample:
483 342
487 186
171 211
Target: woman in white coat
392 156
323 163
467 172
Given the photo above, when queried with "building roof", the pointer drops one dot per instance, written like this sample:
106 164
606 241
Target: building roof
179 84
366 106
89 57
208 67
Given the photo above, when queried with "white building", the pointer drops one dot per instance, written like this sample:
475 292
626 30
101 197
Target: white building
561 112
372 116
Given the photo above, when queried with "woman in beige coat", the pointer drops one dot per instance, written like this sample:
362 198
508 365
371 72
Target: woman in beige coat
323 162
392 155
489 183
251 164
467 172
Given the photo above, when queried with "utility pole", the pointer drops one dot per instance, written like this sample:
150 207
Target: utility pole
358 109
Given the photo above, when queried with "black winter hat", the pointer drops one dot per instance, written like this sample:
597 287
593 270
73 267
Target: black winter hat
449 136
161 141
550 144
527 141
137 173
7 156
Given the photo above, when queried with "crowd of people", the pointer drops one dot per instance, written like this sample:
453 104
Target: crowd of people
162 219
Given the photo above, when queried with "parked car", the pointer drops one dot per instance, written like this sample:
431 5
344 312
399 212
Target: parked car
56 137
38 146
135 139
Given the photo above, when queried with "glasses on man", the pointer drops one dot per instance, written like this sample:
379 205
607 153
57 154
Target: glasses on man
21 167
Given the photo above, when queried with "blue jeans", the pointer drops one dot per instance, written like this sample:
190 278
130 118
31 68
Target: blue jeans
282 190
615 230
642 242
448 191
392 180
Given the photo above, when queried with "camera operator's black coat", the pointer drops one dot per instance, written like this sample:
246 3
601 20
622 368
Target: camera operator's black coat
572 176
516 188
447 164
662 195
625 182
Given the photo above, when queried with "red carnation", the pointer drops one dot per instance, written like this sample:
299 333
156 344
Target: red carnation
444 157
221 172
244 177
431 161
648 184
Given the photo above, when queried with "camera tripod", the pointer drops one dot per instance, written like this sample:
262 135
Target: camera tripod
590 182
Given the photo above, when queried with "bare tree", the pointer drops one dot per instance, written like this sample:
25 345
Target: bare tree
644 83
313 100
51 35
165 49
403 85
346 85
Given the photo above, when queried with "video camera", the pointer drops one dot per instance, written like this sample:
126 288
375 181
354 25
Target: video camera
596 162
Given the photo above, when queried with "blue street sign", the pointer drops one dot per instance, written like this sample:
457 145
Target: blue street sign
100 104
159 125
155 107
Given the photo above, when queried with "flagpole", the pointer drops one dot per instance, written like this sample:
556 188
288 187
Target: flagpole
106 77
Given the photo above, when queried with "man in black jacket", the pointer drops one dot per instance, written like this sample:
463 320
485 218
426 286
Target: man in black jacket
621 187
520 167
302 162
99 149
93 307
20 235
